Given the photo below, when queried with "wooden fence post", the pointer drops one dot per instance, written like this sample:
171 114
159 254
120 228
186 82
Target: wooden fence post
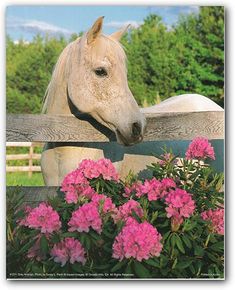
30 160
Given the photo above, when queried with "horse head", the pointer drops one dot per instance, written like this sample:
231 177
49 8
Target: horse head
97 84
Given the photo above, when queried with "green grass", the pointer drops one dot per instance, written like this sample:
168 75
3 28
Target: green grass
21 178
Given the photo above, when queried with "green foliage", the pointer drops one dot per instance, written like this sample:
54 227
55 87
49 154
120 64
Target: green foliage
162 61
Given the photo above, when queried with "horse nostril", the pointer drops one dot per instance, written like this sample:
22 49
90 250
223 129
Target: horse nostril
136 129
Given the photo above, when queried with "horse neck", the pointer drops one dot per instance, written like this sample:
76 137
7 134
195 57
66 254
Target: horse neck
56 97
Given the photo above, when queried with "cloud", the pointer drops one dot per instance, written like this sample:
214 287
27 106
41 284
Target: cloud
36 27
120 24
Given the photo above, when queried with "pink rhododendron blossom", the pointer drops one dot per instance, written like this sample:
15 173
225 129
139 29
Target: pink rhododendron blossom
102 167
180 205
43 218
155 189
152 188
106 202
136 187
124 211
200 148
140 241
216 219
84 217
75 185
70 250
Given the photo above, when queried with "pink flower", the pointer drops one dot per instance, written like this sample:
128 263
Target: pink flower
89 168
140 241
84 217
102 167
200 148
43 218
70 250
125 210
136 187
155 189
75 185
216 219
105 203
180 205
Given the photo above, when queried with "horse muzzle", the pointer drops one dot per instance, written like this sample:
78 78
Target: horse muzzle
133 135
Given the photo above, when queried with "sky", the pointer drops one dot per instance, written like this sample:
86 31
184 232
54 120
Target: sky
24 22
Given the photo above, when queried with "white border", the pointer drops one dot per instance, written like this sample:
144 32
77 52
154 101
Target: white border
230 146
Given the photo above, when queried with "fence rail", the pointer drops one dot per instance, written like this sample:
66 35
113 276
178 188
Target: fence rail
29 156
61 128
160 126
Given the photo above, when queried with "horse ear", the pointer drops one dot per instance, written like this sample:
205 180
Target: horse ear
95 30
118 34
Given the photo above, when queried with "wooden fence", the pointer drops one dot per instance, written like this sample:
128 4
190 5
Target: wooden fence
160 127
28 156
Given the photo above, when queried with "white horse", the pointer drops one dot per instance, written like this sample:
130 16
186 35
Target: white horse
91 77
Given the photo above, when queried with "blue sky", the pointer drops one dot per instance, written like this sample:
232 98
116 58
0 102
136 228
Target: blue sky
26 21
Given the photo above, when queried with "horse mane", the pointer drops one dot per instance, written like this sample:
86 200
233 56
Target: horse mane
57 88
58 79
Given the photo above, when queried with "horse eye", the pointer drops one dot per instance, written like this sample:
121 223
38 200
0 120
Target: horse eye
101 72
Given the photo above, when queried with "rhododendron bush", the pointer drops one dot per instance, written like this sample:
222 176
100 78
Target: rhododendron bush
169 225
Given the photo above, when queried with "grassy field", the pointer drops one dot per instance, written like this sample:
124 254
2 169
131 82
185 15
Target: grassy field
21 178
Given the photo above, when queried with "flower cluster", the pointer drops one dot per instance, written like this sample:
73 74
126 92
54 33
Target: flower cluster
84 217
76 183
70 250
216 220
153 188
137 240
43 218
104 202
103 167
180 205
200 148
125 210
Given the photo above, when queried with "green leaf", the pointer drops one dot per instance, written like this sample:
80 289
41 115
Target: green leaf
44 245
163 261
198 251
173 240
69 234
94 235
77 267
55 238
184 264
174 264
187 241
133 213
179 244
128 269
153 263
212 257
140 270
119 265
218 246
26 247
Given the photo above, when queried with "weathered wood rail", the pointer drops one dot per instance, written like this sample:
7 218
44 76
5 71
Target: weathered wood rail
34 194
160 126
